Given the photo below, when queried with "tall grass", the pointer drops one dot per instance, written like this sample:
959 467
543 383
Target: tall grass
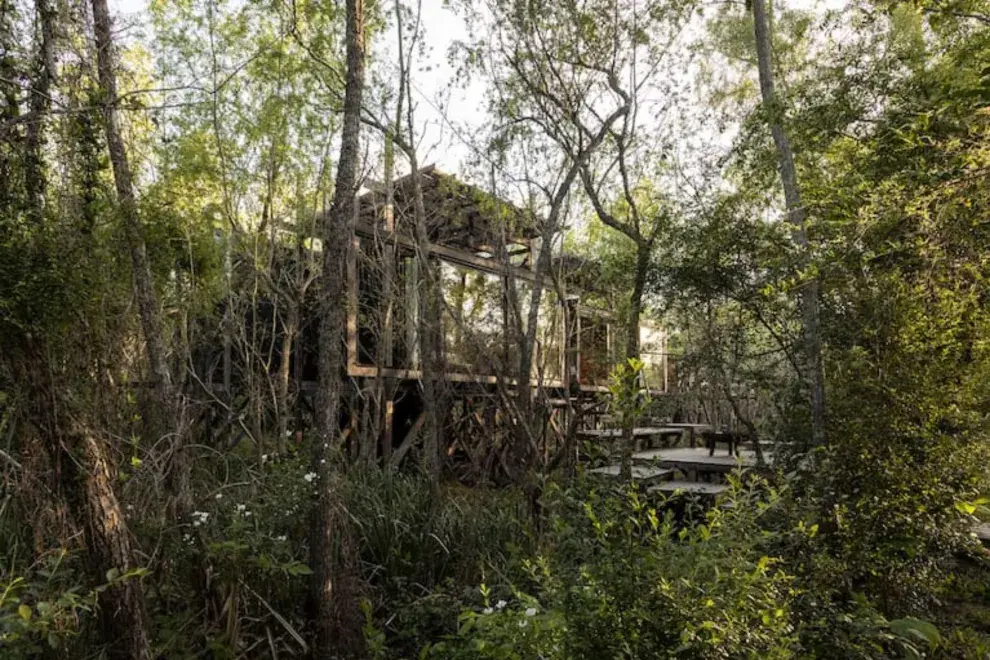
424 550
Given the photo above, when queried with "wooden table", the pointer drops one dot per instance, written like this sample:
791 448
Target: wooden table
692 429
694 460
731 438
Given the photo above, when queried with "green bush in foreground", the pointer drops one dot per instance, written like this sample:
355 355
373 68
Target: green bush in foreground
620 579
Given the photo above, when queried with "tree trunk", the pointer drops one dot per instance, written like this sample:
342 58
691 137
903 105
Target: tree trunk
809 297
40 104
9 104
144 288
123 614
332 634
632 348
386 386
643 249
289 330
430 334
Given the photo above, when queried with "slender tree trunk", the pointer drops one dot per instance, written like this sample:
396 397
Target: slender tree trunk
144 288
632 347
386 387
289 330
331 634
430 334
643 249
9 104
40 104
809 297
429 317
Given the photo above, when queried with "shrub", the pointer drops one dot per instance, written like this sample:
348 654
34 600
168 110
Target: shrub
621 578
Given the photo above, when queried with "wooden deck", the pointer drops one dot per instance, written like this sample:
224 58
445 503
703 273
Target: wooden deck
696 459
641 432
643 474
689 488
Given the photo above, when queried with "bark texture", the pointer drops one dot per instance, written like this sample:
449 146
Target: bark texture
809 296
333 632
40 104
123 614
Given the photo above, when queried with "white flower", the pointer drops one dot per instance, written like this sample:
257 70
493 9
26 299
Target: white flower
195 523
219 496
264 457
309 476
247 514
487 610
531 611
523 623
130 507
241 507
288 434
500 604
280 539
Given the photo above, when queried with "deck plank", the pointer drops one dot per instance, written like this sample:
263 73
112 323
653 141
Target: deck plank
689 487
644 474
697 458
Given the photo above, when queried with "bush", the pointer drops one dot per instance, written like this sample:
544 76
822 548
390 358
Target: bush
620 578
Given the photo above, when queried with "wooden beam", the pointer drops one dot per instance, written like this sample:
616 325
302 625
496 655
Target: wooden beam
408 442
462 257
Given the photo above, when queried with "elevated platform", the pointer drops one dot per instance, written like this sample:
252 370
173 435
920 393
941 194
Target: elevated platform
696 459
640 473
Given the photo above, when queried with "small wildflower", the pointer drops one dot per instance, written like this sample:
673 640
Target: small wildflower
195 523
523 623
487 610
280 539
130 507
219 496
309 476
264 457
531 611
241 508
247 514
500 605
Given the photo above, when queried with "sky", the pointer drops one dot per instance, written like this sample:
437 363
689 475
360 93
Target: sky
447 139
440 142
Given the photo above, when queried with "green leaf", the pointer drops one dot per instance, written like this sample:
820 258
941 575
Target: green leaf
24 611
297 568
910 628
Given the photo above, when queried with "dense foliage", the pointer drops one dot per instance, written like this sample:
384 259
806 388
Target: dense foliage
177 516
